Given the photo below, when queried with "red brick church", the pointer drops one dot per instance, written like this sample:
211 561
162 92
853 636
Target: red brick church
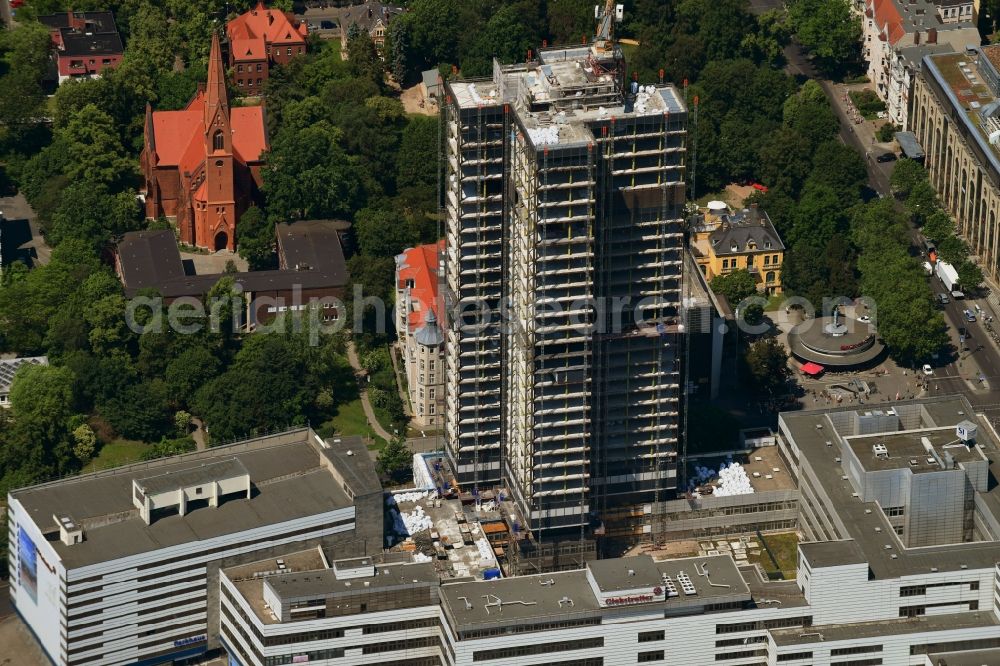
202 165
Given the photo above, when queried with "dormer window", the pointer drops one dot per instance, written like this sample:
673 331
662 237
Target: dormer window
751 245
767 245
734 248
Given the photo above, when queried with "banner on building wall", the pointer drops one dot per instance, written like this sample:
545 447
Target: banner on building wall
27 557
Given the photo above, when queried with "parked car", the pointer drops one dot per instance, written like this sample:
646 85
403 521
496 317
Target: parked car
963 331
969 315
886 157
327 25
943 299
928 370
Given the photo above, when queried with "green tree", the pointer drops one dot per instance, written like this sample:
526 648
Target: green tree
190 370
255 240
84 441
90 213
418 151
182 422
767 366
95 149
970 276
785 160
735 286
395 461
829 29
27 58
840 168
938 226
308 175
905 176
922 201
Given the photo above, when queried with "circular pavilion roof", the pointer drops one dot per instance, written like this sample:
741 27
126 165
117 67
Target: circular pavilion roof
835 344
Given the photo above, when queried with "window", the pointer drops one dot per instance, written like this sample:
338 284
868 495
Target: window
421 364
239 68
240 82
430 379
258 83
432 408
431 394
793 656
218 140
861 649
260 67
250 82
725 264
431 366
652 655
289 50
647 636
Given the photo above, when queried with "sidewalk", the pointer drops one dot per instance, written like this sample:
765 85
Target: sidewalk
866 129
359 372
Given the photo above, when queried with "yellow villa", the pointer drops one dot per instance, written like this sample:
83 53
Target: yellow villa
723 241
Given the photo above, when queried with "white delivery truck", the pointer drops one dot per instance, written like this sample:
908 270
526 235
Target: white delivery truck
949 278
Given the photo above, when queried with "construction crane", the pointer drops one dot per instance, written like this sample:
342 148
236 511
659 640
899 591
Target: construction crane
604 38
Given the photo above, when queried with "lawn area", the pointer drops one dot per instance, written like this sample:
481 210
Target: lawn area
116 453
774 302
350 420
784 547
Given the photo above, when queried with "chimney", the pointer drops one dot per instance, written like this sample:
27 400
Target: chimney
932 36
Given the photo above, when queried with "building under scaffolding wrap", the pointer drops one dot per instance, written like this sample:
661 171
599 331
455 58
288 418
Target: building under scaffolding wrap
565 194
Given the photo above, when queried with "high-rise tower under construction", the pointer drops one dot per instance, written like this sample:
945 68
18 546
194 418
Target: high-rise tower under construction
564 204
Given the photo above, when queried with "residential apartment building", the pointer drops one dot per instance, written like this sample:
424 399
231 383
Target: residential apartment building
564 193
121 566
420 336
723 241
897 34
85 43
956 119
260 38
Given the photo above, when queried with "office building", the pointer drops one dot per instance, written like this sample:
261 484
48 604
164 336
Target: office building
121 566
865 593
956 120
564 194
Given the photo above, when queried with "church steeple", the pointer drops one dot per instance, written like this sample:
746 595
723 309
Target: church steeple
216 97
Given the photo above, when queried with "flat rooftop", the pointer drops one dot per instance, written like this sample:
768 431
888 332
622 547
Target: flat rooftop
288 480
309 573
812 430
558 97
215 470
864 630
960 77
971 658
906 450
522 599
540 598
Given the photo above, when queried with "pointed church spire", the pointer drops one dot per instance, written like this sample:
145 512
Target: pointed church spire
215 90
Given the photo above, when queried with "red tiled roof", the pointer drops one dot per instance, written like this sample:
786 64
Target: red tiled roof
248 49
249 139
272 25
420 265
173 130
180 135
887 18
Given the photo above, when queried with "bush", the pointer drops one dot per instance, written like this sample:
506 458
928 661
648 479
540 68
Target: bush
867 102
886 132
